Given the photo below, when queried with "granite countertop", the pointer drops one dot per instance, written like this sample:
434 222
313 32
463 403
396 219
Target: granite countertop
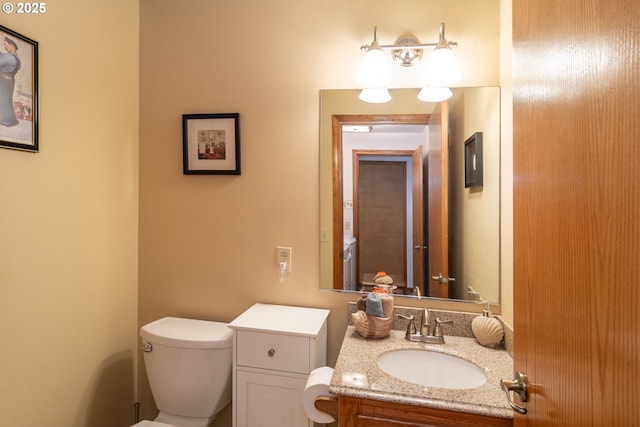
357 375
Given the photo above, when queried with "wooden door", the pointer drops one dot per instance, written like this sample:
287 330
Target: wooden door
438 201
418 216
380 211
577 210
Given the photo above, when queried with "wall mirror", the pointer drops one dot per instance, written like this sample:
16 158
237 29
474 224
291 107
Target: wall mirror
394 198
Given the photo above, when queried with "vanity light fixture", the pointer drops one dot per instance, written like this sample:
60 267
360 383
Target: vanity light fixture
434 94
442 70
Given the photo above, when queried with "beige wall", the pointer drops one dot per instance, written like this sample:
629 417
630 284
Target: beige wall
506 163
68 234
207 243
475 212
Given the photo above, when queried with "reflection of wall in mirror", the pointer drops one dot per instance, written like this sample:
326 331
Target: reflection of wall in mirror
474 213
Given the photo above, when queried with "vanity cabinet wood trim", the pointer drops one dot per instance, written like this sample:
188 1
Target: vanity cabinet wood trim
358 412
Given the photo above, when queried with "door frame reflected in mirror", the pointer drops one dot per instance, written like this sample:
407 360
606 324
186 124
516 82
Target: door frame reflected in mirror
337 124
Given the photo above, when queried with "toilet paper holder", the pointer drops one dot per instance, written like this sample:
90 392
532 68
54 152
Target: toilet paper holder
328 405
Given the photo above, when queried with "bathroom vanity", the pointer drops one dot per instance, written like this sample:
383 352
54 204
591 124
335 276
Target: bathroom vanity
275 348
368 396
360 412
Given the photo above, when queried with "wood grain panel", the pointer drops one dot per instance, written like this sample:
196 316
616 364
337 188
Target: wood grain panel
381 216
438 200
355 412
576 210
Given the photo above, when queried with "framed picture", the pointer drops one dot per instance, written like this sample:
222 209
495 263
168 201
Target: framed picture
473 161
211 144
18 91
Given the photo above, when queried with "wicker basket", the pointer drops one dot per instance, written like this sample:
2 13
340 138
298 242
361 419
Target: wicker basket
371 326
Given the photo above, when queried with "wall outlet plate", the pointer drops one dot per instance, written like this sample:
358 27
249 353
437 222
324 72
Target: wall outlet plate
284 254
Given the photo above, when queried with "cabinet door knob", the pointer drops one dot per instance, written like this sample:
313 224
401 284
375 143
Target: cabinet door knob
271 352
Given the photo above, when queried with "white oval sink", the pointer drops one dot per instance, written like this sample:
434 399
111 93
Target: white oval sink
431 369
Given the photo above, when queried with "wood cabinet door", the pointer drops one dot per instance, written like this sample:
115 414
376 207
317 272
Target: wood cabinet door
355 412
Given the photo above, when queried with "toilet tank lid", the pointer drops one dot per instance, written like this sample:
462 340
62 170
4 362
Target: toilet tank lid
187 333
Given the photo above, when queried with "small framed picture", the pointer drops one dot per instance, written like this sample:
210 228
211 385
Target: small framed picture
211 144
473 161
18 91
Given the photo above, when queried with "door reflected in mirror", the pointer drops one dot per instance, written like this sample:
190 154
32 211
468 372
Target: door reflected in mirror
393 194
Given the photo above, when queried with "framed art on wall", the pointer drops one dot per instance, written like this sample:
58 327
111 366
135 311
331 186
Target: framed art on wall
473 161
18 91
211 144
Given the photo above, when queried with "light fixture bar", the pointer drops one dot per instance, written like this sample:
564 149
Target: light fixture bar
442 42
417 46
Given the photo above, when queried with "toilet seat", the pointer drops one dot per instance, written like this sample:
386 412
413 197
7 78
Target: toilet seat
147 423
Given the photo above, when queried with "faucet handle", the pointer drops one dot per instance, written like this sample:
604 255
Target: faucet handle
411 326
437 331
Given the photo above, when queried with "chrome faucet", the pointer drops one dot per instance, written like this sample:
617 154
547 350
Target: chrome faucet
425 335
411 325
416 291
424 329
437 330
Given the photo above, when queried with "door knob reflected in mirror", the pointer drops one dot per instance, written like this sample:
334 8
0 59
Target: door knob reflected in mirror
441 279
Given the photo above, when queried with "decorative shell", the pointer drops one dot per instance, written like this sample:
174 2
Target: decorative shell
383 280
487 330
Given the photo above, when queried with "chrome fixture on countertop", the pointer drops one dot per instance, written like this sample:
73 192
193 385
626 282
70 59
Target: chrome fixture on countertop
425 335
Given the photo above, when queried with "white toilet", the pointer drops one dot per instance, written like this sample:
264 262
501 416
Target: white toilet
188 363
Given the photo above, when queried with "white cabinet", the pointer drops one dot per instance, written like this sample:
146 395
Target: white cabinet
275 348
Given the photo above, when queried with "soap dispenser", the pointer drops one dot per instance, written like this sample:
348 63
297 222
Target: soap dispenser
487 329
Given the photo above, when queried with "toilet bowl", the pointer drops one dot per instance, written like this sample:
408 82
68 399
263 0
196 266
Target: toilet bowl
188 363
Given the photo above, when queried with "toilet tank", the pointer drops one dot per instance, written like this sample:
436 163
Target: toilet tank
188 365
